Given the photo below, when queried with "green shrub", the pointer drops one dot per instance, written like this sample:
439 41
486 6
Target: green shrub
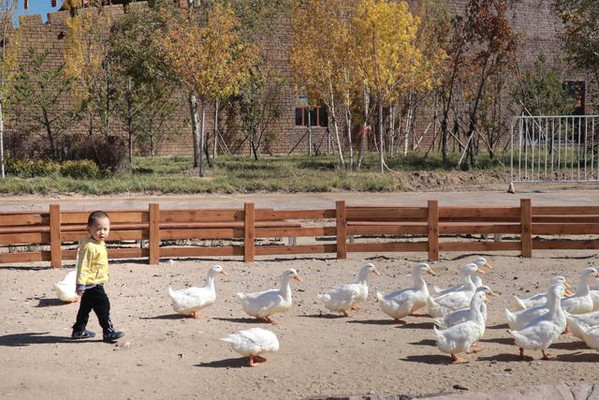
32 168
80 169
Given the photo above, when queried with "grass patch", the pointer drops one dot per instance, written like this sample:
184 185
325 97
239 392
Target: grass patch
231 174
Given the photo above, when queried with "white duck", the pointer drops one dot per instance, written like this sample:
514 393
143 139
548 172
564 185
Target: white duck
582 322
520 319
457 299
539 299
348 296
460 338
591 337
595 294
543 331
581 302
263 304
464 314
406 301
481 262
65 289
253 342
191 300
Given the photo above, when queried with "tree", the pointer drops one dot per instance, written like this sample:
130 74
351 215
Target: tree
387 58
210 60
144 82
9 58
540 91
319 58
581 34
40 91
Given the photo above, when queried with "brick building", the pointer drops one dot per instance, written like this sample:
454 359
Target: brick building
534 20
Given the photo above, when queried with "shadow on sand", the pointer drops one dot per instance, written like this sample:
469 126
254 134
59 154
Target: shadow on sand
29 338
428 359
227 363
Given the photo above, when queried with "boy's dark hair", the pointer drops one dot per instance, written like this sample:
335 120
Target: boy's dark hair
96 215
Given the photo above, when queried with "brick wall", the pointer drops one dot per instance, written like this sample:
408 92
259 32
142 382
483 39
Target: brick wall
534 19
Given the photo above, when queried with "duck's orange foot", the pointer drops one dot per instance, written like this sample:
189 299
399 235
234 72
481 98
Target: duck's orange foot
474 350
256 359
546 356
356 307
344 313
195 315
521 349
457 360
399 321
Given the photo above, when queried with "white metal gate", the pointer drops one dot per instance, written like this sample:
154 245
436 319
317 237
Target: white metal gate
555 148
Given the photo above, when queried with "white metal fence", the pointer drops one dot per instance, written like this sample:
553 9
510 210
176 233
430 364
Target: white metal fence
555 148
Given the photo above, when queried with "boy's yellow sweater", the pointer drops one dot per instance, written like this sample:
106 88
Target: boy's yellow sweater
92 263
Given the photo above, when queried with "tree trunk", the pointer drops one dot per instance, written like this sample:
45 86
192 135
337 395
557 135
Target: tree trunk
195 134
202 140
2 161
348 125
381 139
336 125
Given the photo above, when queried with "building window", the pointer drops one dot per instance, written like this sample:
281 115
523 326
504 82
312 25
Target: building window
576 91
304 115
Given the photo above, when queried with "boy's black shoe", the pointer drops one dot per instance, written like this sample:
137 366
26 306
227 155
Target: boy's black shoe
111 337
84 334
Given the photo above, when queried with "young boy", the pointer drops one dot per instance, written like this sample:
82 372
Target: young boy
92 272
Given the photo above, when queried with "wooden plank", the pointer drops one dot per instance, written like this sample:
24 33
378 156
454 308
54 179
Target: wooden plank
249 233
565 229
566 219
55 238
177 234
295 232
387 247
566 244
24 219
6 258
154 234
116 217
299 249
388 230
479 246
433 230
25 238
387 214
341 222
526 225
206 215
25 229
133 252
166 252
479 213
114 236
461 228
565 210
265 215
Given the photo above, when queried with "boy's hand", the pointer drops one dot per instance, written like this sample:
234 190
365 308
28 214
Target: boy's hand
80 292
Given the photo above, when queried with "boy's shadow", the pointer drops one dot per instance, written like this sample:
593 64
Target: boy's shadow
29 338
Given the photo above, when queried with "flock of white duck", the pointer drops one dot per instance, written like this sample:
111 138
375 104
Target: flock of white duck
459 312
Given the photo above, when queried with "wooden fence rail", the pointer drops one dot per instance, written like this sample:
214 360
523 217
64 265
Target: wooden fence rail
52 235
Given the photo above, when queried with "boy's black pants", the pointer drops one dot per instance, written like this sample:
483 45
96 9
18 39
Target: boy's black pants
97 300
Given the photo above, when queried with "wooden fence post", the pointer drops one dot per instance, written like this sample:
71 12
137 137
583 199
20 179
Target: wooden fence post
433 230
526 227
55 242
154 233
249 250
341 234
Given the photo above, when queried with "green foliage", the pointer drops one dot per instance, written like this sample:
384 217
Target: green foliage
80 169
32 168
541 91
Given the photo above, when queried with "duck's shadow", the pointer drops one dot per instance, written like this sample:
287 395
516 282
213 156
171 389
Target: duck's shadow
227 363
417 325
242 320
579 357
29 338
372 321
51 302
428 359
324 316
505 357
499 326
425 342
570 346
507 341
168 316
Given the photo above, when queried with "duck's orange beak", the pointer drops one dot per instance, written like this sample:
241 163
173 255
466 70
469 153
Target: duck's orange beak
297 278
480 271
431 272
487 265
224 272
376 272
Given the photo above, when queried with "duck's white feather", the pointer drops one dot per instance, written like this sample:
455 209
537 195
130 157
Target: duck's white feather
344 297
252 342
66 288
190 300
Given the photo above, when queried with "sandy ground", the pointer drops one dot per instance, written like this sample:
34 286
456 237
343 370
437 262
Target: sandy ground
165 355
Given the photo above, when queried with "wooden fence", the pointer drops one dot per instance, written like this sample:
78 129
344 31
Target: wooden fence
52 235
